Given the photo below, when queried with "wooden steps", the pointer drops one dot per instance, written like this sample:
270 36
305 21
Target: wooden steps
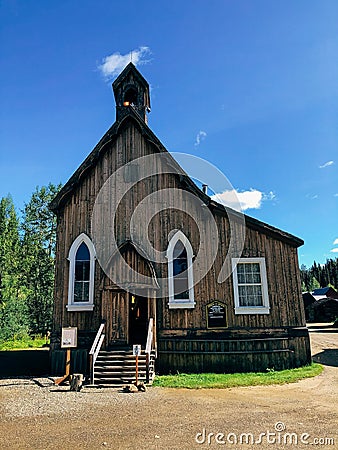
116 368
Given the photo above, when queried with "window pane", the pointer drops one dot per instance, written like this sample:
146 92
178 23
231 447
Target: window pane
82 253
180 265
250 295
180 284
85 292
242 295
182 296
248 273
241 278
240 268
179 250
255 274
81 291
82 270
78 291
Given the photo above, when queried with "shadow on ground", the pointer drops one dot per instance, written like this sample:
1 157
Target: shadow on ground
328 357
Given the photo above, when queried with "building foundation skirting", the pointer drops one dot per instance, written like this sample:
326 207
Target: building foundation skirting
224 354
78 361
233 355
79 355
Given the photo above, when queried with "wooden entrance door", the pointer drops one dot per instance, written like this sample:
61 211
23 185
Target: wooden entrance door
138 319
115 306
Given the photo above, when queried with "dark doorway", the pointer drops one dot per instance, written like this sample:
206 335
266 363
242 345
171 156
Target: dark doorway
138 320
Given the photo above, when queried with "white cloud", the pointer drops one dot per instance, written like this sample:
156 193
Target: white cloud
312 196
269 196
113 64
327 164
251 199
334 250
201 135
335 242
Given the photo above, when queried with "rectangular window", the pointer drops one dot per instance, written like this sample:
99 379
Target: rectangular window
250 286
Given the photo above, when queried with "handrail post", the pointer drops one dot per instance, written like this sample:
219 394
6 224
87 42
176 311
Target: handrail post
94 351
147 367
91 368
149 346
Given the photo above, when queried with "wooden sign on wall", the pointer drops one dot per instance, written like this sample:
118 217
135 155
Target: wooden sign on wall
216 315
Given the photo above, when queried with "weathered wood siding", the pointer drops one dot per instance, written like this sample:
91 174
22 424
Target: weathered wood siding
180 332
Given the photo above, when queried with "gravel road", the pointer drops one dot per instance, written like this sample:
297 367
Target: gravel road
37 415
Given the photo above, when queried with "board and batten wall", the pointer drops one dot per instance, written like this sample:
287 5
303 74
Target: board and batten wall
250 342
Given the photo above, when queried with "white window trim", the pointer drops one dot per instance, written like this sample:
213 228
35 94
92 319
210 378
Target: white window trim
265 308
180 303
81 306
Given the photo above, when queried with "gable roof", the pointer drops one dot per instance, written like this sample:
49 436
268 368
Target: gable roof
124 74
321 291
61 198
327 292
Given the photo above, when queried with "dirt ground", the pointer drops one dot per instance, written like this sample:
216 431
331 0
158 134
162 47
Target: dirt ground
37 415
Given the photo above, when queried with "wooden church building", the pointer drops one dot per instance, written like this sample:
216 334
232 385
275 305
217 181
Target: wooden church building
117 293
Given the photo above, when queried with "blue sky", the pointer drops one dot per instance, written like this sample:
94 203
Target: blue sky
250 86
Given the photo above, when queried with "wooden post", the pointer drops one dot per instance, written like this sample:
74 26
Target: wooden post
68 362
136 353
136 371
91 368
147 367
67 374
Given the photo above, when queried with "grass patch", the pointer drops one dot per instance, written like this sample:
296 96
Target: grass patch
23 343
228 380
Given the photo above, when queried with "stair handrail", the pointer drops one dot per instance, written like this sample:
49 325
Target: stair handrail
94 351
149 346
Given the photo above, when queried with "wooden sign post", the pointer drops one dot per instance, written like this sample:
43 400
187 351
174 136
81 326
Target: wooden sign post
68 341
136 353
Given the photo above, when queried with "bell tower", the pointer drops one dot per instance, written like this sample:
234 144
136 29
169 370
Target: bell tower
131 90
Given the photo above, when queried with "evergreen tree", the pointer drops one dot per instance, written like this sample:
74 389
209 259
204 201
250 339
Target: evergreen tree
38 250
13 312
320 275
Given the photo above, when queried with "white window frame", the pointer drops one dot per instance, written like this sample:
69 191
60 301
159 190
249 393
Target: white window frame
81 306
180 303
265 308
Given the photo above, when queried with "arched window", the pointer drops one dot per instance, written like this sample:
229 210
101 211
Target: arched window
81 274
180 272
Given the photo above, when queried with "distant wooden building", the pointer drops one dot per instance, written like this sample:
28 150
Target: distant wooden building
308 300
327 292
323 310
321 305
252 319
